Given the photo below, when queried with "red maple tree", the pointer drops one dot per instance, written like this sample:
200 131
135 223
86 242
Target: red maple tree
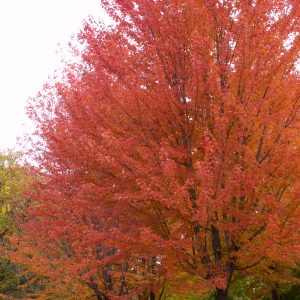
169 155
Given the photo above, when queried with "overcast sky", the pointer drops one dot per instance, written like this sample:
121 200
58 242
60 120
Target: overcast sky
30 31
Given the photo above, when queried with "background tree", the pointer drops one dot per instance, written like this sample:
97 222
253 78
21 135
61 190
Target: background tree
172 149
14 182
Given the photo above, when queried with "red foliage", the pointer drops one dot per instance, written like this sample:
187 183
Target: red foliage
170 153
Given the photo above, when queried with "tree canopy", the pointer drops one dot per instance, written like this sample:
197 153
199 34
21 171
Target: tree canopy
168 157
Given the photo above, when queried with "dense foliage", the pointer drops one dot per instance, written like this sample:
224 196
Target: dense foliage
15 280
168 158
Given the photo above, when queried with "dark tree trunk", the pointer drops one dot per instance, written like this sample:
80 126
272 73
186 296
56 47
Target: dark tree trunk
274 294
152 296
216 243
96 291
221 294
99 295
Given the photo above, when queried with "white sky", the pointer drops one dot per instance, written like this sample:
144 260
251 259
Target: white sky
30 31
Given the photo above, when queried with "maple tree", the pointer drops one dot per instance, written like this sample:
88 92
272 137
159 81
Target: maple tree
169 155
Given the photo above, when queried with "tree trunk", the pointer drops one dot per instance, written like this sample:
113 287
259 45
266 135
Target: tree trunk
274 294
152 296
221 294
99 295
